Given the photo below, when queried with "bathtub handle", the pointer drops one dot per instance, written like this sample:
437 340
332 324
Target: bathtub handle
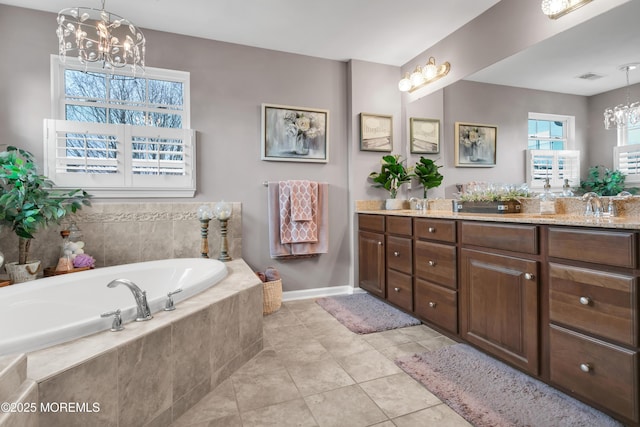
169 304
117 320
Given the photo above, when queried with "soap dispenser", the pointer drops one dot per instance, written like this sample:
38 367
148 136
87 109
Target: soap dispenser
547 200
566 189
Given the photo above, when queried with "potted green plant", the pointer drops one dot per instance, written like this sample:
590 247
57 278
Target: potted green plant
604 182
28 203
392 175
427 173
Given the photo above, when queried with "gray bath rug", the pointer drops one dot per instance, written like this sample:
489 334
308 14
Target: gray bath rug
487 392
364 314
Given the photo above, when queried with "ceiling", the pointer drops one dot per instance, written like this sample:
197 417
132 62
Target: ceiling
390 32
383 31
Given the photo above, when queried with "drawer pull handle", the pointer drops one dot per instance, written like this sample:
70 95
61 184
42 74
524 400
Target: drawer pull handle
432 263
585 367
396 289
396 253
431 229
432 304
529 276
585 300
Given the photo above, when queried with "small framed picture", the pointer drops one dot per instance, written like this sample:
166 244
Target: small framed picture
295 134
424 135
475 145
376 132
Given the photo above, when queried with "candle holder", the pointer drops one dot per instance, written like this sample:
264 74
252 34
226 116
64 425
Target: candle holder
223 213
204 215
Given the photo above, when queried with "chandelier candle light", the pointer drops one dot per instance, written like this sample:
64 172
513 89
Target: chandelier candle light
622 115
99 36
554 9
422 76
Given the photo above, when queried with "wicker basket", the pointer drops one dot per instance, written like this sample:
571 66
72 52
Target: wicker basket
272 296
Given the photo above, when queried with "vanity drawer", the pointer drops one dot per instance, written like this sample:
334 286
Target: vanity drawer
434 229
604 304
371 222
399 290
437 305
399 254
617 248
510 237
435 262
600 372
400 225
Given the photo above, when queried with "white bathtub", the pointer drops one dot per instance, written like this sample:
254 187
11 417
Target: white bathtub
44 312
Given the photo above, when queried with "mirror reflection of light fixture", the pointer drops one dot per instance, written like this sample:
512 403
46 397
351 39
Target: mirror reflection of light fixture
422 76
622 115
222 211
94 35
554 9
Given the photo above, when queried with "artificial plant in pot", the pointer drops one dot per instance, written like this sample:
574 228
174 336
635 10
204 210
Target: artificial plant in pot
604 182
392 175
427 173
28 203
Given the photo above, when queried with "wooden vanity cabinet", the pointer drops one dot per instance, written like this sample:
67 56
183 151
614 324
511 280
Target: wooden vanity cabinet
435 272
399 258
371 250
593 317
499 292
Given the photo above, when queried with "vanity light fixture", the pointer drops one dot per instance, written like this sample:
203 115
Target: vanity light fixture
623 114
422 76
554 9
94 35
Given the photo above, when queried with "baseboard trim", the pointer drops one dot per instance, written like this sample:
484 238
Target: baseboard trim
320 292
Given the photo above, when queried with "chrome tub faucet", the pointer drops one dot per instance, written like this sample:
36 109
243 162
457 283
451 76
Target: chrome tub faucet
144 312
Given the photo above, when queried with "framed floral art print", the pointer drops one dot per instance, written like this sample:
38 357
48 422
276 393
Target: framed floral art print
295 134
475 145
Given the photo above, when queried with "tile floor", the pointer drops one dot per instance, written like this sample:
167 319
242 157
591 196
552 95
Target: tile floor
315 372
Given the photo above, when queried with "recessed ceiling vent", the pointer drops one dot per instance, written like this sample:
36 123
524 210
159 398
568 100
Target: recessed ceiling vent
590 76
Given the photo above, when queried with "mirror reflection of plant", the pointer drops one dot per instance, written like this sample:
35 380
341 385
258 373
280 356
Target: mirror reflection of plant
604 182
496 193
427 173
392 175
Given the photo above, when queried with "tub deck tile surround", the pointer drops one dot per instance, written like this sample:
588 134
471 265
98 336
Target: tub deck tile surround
153 372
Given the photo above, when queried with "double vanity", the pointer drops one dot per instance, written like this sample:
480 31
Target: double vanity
555 296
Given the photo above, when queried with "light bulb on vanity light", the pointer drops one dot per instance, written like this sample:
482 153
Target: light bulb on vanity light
405 83
430 70
416 77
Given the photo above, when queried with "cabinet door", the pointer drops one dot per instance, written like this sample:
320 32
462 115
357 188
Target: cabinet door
371 262
499 306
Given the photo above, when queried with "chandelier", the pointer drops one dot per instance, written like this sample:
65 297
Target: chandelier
621 115
94 35
554 9
422 76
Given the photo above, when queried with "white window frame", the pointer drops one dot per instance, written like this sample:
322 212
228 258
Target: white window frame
626 157
569 128
124 183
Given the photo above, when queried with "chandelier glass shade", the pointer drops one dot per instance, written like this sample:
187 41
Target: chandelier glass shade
554 9
422 76
94 35
623 114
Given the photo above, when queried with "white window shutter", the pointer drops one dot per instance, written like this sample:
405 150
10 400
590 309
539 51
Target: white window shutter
557 165
626 158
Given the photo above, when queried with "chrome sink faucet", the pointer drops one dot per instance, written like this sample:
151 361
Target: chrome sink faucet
594 204
144 312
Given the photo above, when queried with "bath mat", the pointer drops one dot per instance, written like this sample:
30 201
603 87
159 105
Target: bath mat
364 314
487 392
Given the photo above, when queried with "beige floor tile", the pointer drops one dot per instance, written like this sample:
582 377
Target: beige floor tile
282 317
368 365
305 352
219 404
312 313
436 343
344 345
287 336
265 361
439 415
402 350
386 339
319 376
347 406
292 413
253 392
384 424
419 332
399 395
326 327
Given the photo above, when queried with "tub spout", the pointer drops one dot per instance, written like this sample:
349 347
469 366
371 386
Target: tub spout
144 313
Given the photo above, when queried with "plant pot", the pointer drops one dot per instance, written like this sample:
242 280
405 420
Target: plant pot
394 204
19 273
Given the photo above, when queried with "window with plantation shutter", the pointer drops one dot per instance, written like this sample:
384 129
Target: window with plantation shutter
557 165
626 158
120 135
